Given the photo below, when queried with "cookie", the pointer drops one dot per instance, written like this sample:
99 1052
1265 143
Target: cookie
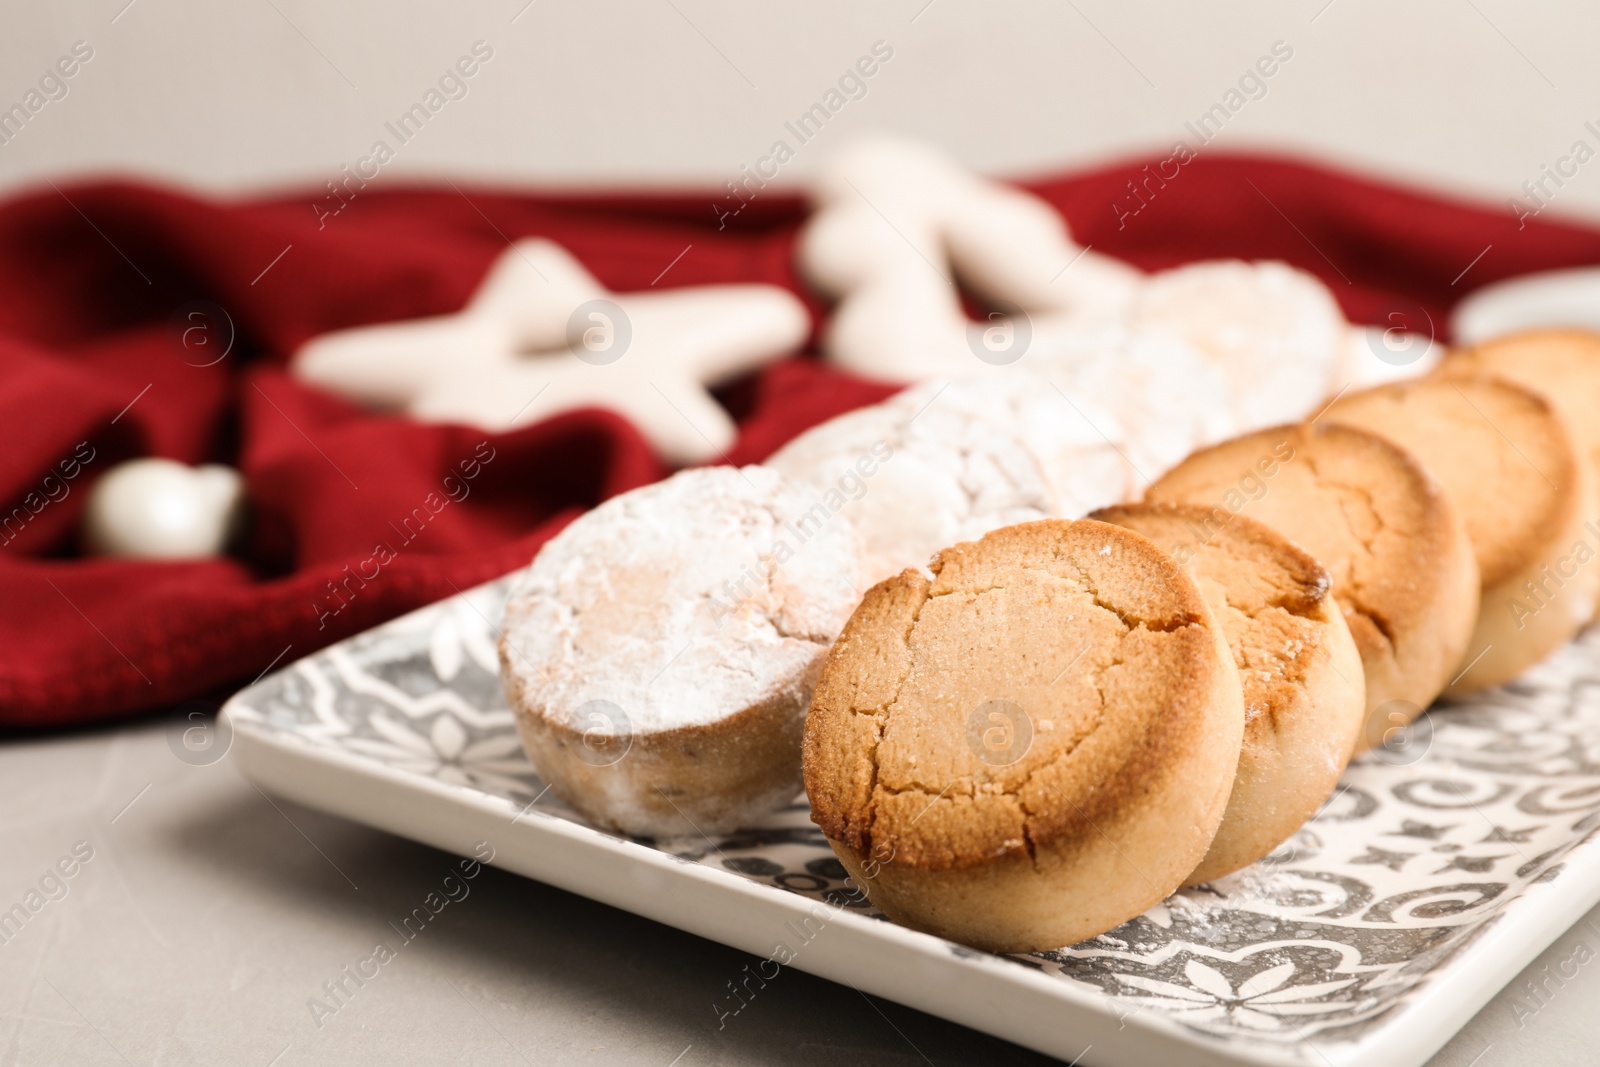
1304 696
1079 446
1403 570
1563 365
914 481
1273 332
660 652
1526 494
1032 746
1167 398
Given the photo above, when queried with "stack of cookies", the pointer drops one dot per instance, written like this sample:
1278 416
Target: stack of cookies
1057 721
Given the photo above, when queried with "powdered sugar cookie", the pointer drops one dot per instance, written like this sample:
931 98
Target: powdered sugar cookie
1166 397
1274 332
1078 444
912 482
660 652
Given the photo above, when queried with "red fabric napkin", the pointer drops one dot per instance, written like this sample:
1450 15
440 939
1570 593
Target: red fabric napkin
98 281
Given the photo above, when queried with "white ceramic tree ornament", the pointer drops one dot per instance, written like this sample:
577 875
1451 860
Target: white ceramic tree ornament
542 336
898 226
162 509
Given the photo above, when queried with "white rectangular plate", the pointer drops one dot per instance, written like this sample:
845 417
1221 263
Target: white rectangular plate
1424 885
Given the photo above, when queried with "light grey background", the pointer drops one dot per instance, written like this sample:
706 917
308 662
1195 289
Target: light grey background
208 915
1468 95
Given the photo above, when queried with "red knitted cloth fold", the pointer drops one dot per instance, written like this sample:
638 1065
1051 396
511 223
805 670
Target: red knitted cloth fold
95 368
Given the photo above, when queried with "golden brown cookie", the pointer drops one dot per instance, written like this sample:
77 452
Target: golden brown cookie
1304 700
1031 748
1562 365
1403 570
1526 494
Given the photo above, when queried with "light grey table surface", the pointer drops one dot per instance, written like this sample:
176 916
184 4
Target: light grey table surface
209 915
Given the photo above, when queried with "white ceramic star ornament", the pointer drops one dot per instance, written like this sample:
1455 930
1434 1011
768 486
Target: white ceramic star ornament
542 336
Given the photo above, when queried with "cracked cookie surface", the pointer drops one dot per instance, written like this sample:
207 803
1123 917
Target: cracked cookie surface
1032 746
1525 491
1561 365
1496 448
1403 571
1301 675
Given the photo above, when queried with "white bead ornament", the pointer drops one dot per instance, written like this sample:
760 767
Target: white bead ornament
162 509
542 336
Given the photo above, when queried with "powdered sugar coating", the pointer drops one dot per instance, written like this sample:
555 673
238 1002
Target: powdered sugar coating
1078 443
683 603
1275 333
1166 395
939 476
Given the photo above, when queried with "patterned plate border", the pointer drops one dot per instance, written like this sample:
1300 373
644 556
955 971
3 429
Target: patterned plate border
1429 879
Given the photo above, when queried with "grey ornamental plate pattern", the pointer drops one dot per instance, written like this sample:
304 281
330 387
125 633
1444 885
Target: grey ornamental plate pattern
1412 858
